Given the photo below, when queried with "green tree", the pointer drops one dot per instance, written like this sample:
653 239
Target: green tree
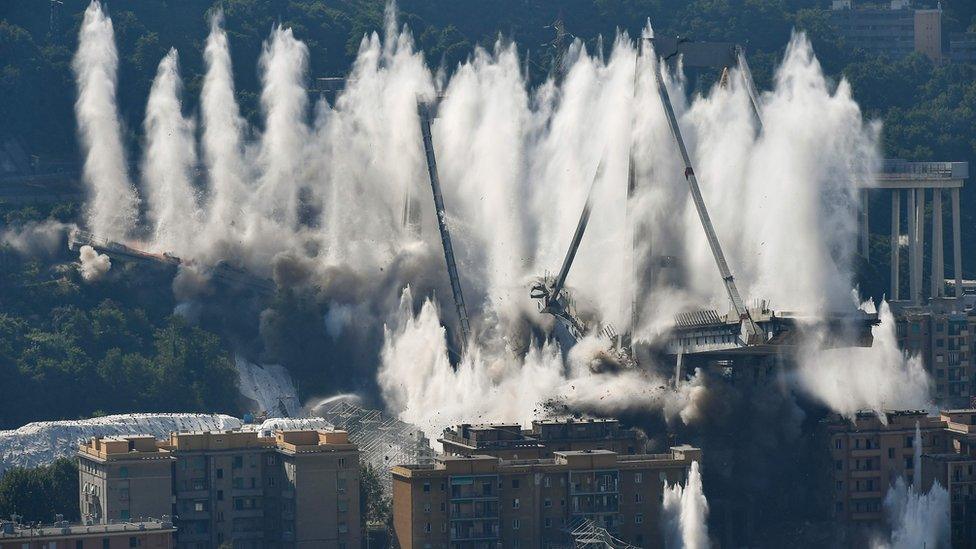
38 494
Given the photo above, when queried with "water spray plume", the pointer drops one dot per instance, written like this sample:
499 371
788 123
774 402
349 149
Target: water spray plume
685 512
169 163
113 205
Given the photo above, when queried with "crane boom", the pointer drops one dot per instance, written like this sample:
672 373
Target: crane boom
424 110
753 332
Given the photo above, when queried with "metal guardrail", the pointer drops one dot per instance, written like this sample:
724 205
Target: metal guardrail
897 169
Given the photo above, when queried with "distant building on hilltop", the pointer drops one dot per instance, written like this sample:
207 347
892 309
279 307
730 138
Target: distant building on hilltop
295 489
510 441
894 28
484 501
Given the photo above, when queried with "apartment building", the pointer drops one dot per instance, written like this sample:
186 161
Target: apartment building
294 489
941 333
542 439
482 501
955 469
894 29
868 454
151 534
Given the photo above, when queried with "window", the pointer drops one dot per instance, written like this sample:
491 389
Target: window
124 514
427 527
220 473
105 543
547 481
515 483
79 544
124 472
639 518
220 495
548 522
638 478
271 459
426 487
198 506
133 541
515 524
238 482
342 462
515 503
839 465
909 463
891 453
548 503
427 507
638 497
343 528
238 462
124 494
909 441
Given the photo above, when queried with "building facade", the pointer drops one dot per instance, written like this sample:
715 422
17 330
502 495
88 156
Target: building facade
155 534
482 501
295 489
893 29
941 334
955 469
542 439
868 455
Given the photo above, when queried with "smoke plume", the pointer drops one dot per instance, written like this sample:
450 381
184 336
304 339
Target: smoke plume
169 163
879 377
334 201
113 203
93 264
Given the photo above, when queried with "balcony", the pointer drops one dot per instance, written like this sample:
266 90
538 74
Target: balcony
866 473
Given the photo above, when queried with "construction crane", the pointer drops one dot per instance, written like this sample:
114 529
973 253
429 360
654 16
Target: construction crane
753 334
428 111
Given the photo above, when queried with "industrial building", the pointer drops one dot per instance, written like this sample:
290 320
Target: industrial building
484 501
894 29
542 440
150 534
294 489
869 453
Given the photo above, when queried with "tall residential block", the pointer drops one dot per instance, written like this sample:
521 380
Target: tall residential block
484 501
942 335
954 468
294 489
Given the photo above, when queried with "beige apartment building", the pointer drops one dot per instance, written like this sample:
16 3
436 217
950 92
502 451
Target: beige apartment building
510 441
868 455
482 501
294 489
955 469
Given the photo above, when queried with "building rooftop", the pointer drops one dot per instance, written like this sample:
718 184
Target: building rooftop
11 531
148 447
680 456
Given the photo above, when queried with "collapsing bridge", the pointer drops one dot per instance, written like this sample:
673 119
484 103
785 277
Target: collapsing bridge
742 335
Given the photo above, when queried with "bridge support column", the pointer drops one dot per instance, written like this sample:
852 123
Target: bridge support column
893 294
956 243
938 274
